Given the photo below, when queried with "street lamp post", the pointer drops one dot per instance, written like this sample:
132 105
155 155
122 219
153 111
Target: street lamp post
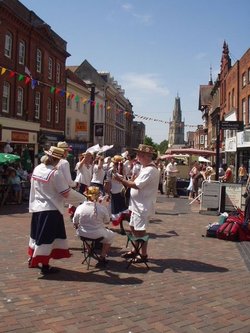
217 147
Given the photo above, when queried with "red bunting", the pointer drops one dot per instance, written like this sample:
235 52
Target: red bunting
12 74
27 80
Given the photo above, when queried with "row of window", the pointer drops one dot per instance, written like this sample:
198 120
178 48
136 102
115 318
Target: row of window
20 103
245 78
39 57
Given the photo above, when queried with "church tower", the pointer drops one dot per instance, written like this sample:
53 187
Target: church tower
176 127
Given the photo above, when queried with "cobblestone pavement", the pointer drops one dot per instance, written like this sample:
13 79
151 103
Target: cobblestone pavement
194 284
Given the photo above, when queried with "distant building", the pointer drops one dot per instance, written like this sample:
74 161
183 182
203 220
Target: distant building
138 133
176 127
32 58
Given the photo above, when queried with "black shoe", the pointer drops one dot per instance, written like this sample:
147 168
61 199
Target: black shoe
102 262
128 255
46 269
141 259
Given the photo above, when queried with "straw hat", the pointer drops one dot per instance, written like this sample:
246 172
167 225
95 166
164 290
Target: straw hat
92 192
64 145
55 152
117 159
145 149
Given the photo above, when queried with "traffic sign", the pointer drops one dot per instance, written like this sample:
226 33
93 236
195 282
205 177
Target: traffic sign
232 125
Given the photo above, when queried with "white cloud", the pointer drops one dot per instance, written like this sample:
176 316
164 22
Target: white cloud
200 56
143 18
144 84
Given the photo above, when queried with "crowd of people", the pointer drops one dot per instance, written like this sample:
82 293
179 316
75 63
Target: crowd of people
103 190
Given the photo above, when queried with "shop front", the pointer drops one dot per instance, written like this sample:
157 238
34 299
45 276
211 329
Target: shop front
20 138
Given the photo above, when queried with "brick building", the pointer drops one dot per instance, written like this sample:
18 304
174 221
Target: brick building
32 80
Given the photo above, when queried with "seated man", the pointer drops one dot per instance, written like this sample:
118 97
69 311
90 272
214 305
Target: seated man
90 219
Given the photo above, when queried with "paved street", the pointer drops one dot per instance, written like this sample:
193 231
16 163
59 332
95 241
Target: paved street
195 284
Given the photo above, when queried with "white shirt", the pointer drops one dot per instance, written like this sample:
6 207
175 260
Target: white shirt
84 174
91 217
116 187
47 186
142 200
98 174
63 165
171 168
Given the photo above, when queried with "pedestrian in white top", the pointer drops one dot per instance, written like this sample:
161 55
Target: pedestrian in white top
171 179
63 164
84 171
90 219
142 196
98 173
47 192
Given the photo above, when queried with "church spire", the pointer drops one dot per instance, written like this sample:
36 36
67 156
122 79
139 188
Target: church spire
210 83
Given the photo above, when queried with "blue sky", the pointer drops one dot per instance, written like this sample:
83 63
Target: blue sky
155 49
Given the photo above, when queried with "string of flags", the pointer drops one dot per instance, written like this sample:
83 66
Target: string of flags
28 79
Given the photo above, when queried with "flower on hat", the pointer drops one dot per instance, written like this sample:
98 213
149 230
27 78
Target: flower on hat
55 152
64 145
117 159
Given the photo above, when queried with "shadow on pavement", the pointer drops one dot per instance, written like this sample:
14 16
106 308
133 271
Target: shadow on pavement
182 265
91 276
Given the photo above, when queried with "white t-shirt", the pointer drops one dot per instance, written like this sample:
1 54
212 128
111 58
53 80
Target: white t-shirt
171 168
63 165
91 217
142 200
84 174
47 186
116 187
98 174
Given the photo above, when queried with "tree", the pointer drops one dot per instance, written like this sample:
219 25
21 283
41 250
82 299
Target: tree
163 146
148 141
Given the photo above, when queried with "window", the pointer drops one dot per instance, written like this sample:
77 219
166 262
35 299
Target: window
69 103
202 139
77 106
57 110
68 122
248 75
19 101
39 61
50 69
37 105
6 97
244 110
21 55
233 99
248 108
58 73
49 106
244 79
8 45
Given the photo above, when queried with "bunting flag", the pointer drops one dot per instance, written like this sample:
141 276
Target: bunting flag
34 83
3 70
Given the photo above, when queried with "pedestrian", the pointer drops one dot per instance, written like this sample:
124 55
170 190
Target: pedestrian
228 176
170 175
242 174
90 219
143 194
84 170
115 189
63 164
98 173
161 177
47 192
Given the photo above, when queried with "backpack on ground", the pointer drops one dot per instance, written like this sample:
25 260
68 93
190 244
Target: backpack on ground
229 230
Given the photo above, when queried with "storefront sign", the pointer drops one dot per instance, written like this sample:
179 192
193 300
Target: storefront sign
81 126
98 129
19 136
